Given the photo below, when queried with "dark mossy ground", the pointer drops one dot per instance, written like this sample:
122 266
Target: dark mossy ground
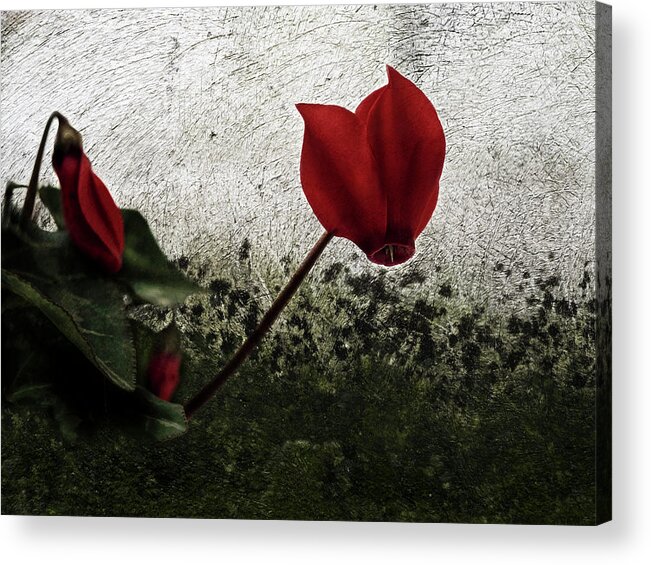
372 399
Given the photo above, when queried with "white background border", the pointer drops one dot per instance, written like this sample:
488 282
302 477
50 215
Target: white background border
625 540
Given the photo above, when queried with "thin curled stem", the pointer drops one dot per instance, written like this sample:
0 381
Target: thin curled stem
265 324
30 197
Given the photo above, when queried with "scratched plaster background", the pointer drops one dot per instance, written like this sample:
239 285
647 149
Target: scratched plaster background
189 116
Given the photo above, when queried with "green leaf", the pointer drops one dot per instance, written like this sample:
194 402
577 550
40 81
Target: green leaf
145 341
43 368
51 198
159 419
87 307
146 268
89 315
31 392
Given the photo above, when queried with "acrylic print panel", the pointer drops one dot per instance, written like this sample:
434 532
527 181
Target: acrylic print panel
155 362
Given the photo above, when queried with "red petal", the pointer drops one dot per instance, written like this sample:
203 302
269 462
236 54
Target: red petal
164 374
68 172
101 213
82 236
408 143
338 174
365 105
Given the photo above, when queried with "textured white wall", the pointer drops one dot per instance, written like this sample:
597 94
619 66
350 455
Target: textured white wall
189 115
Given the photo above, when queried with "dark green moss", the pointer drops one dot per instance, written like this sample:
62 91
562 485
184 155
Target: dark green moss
369 401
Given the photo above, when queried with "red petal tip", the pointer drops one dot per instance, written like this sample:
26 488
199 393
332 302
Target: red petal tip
304 108
393 74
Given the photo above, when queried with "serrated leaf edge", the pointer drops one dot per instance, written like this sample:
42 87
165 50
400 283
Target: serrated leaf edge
87 350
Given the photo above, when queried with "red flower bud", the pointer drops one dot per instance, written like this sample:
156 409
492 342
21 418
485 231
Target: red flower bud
164 374
92 218
373 176
164 370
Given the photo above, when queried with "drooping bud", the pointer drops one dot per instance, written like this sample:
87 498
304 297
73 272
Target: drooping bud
68 141
92 218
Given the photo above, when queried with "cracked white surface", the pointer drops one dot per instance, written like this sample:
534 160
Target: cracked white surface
189 115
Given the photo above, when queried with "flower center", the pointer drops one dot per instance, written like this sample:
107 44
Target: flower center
392 254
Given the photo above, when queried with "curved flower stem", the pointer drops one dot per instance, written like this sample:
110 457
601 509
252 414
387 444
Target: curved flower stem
30 197
265 324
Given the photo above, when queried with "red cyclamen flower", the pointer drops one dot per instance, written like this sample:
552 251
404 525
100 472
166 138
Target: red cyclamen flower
92 218
164 373
372 176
